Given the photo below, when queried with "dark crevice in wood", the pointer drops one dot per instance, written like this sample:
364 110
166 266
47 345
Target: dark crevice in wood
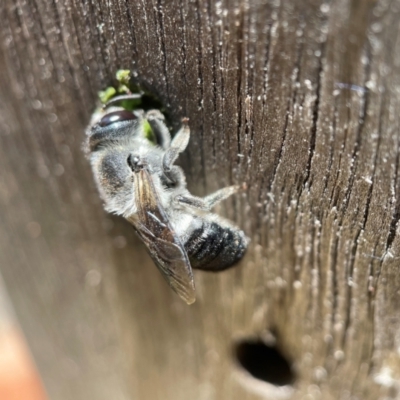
335 192
331 147
200 86
320 263
289 108
315 121
249 90
131 30
144 19
370 189
266 67
239 97
311 304
213 51
262 190
214 59
335 287
161 38
184 55
218 54
278 158
360 128
252 75
375 162
214 81
303 183
349 286
368 203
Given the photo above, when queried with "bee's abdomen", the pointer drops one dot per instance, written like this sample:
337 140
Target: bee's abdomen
215 247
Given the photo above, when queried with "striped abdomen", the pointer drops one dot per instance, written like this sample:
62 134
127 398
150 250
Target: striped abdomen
215 247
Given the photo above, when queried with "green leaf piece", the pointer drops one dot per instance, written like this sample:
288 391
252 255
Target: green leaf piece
148 132
123 76
106 95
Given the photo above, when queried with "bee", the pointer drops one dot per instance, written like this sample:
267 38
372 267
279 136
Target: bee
132 157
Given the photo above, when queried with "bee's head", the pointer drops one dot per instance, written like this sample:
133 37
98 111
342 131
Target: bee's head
116 123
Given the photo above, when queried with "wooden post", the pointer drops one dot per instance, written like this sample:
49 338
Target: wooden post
300 100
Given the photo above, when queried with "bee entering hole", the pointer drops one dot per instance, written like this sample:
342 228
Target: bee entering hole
264 362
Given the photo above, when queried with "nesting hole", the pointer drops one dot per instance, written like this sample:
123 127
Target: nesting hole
149 101
264 362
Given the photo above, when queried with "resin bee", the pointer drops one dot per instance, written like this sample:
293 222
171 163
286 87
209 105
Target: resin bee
132 158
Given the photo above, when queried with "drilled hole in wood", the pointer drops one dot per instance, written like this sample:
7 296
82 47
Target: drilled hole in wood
264 362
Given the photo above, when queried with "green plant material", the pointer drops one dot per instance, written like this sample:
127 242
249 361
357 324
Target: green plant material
106 95
131 104
123 76
148 132
123 89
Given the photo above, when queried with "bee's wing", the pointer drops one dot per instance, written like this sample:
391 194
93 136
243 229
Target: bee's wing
165 247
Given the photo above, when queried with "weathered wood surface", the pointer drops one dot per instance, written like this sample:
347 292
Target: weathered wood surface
300 100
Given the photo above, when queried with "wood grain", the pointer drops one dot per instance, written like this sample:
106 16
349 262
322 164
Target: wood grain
300 100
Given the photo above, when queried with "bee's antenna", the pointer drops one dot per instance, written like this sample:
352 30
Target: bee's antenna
116 99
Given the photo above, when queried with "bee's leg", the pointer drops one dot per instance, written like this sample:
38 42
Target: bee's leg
157 122
208 202
214 198
178 144
192 201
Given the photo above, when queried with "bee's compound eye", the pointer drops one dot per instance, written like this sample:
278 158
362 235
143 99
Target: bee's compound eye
117 116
